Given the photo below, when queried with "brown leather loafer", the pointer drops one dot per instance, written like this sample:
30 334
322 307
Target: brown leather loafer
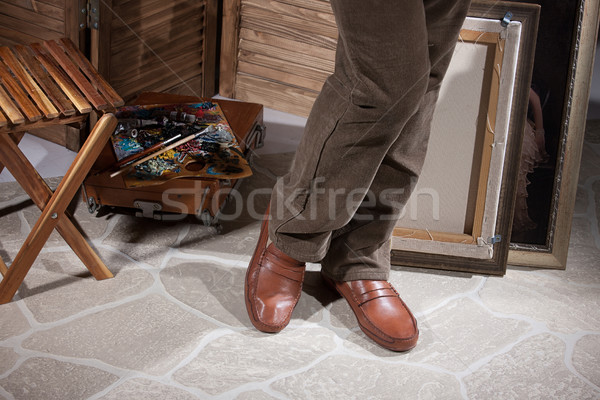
381 313
273 286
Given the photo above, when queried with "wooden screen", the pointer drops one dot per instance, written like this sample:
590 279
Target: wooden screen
277 52
160 46
24 21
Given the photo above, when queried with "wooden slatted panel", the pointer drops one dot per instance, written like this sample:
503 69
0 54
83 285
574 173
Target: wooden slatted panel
285 51
35 78
139 71
27 21
61 79
19 96
97 81
45 81
29 83
72 70
3 122
10 108
162 46
288 20
181 70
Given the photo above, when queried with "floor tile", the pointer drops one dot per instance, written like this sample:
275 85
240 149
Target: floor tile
144 389
151 335
46 378
534 368
237 359
345 377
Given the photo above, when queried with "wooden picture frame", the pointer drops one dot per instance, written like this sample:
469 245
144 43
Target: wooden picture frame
567 34
484 248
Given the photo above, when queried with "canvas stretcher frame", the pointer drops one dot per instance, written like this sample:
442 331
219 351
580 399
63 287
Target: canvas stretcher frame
487 251
493 44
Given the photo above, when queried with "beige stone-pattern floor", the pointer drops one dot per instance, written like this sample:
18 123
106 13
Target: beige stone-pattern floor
172 323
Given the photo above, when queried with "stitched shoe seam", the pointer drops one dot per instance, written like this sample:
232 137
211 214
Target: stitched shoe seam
294 270
376 289
369 326
286 277
383 333
358 305
381 297
254 287
284 261
378 332
366 317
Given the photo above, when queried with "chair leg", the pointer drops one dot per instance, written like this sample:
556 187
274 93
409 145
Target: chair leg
83 250
3 269
40 193
17 139
56 206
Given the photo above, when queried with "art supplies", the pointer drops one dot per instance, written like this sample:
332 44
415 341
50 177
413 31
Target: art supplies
157 143
162 149
129 160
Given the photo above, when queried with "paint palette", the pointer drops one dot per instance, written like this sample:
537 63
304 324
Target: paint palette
214 153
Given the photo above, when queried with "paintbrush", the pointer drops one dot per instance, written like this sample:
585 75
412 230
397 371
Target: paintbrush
132 158
186 139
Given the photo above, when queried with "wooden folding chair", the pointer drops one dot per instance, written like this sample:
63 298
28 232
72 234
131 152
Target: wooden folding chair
42 85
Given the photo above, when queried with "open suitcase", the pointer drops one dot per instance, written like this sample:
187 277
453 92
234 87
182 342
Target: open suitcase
198 196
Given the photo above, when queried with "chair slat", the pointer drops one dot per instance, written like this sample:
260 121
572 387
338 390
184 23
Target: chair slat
76 119
73 71
34 91
111 95
18 95
3 123
45 81
61 79
11 110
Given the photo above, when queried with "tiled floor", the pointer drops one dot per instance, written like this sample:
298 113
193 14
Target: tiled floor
172 323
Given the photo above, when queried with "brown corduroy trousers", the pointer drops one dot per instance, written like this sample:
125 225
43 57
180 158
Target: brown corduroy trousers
366 137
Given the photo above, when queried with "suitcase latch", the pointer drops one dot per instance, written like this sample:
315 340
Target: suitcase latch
256 137
148 209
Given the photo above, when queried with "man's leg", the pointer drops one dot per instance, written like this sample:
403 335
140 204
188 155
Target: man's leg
361 249
382 71
358 256
382 75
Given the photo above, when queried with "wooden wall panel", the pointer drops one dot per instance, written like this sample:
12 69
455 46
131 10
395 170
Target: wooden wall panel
277 52
153 45
28 21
